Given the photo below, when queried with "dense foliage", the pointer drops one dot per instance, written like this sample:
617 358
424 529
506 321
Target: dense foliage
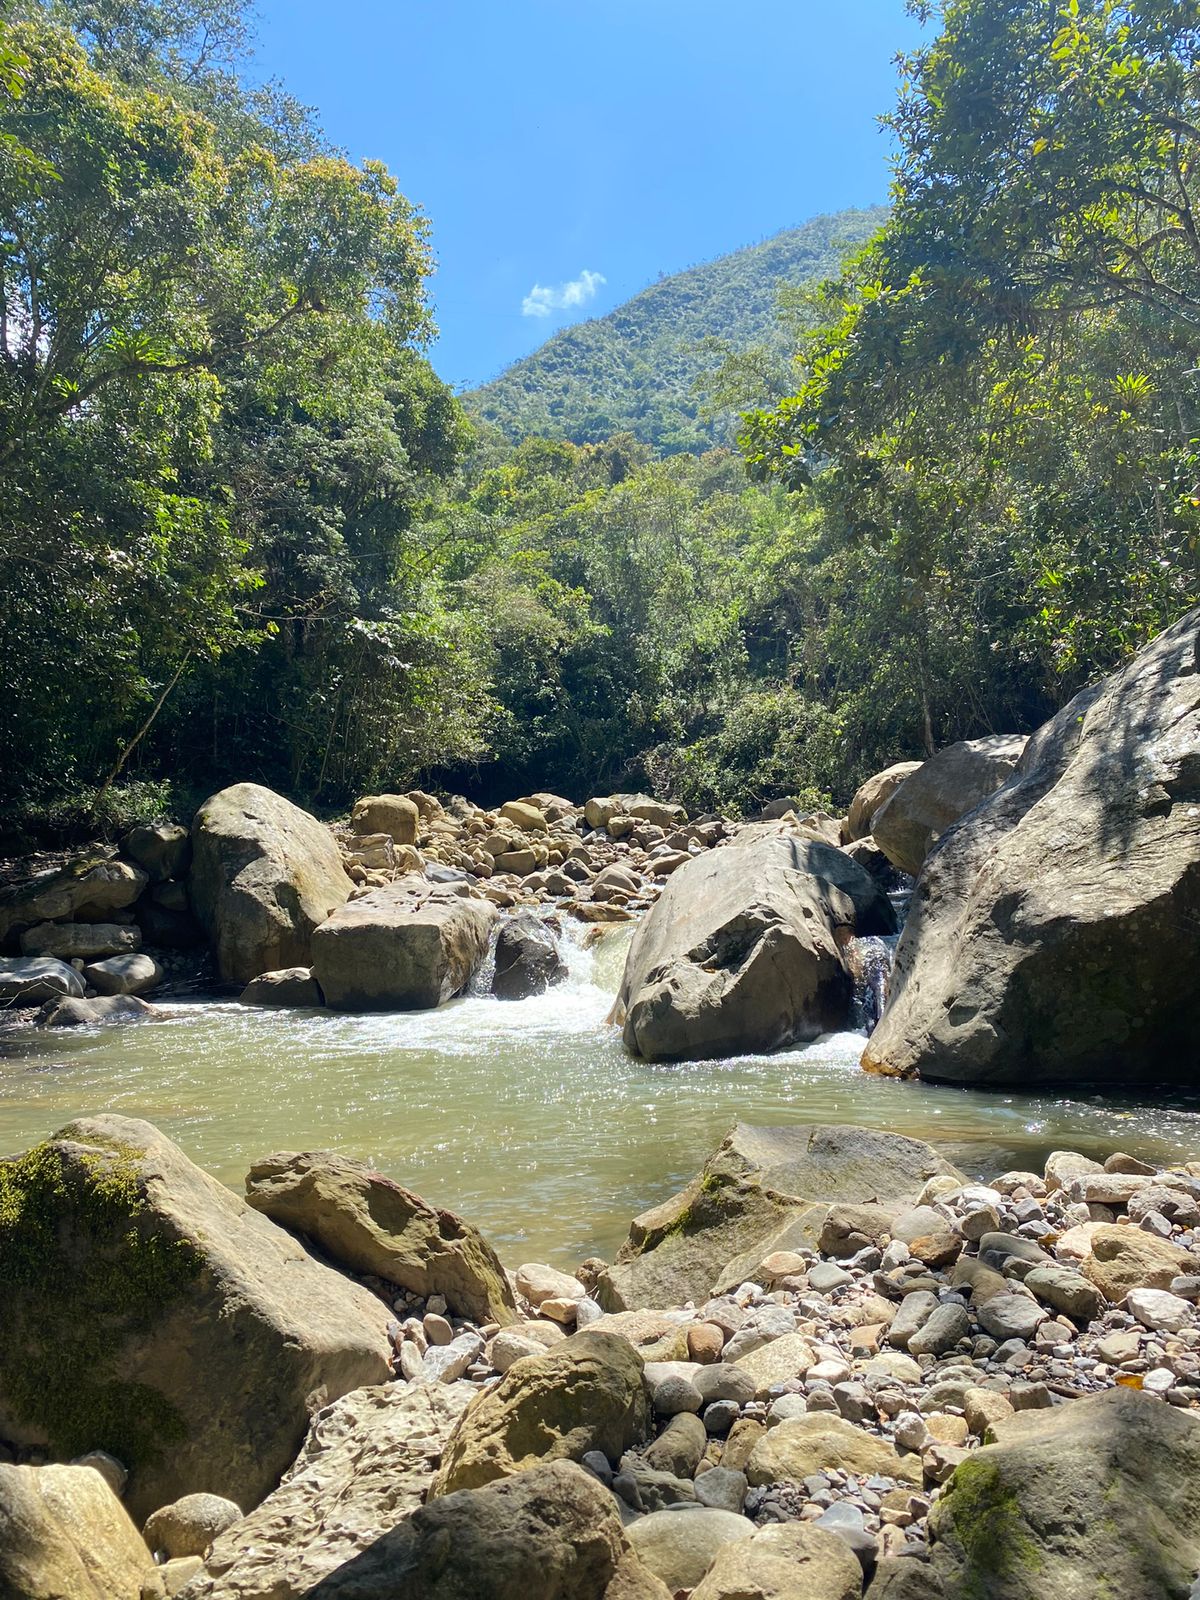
647 367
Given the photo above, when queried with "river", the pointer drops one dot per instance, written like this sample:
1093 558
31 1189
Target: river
526 1116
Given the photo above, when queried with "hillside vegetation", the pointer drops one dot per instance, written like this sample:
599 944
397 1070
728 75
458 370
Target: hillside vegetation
646 368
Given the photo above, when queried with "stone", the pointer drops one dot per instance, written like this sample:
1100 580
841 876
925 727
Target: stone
371 1224
90 886
793 1450
162 849
447 1363
726 1380
705 1342
539 1283
1099 1496
406 947
1043 947
1065 1290
942 1330
585 1393
765 1188
64 1535
943 789
679 1446
632 1581
847 1229
1159 1310
224 1336
826 1276
915 1311
873 795
780 1361
80 941
31 979
983 1408
553 1531
68 1012
293 988
655 1335
510 1346
1010 1316
741 951
109 1468
528 961
722 1489
366 1464
393 814
784 1561
188 1526
264 875
1124 1258
679 1547
135 974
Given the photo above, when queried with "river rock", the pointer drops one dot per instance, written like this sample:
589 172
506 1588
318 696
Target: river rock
1099 1496
369 1223
764 1189
680 1546
29 979
367 1463
187 1527
69 1012
64 1535
162 849
741 952
527 958
91 886
871 796
136 974
942 790
393 814
584 1394
407 947
1124 1258
1044 946
264 875
552 1533
201 1335
292 988
80 941
793 1450
783 1561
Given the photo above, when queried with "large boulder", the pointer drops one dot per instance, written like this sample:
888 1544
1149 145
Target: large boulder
1099 1497
64 1535
264 875
72 941
1044 944
527 958
135 974
147 1311
550 1534
367 1464
393 814
784 1561
89 888
369 1223
929 801
31 979
764 1189
586 1393
161 849
407 947
873 795
743 951
680 1545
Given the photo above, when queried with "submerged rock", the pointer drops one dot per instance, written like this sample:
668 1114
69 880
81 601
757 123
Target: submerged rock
371 1224
908 824
70 1012
743 951
1045 943
292 988
64 1535
264 875
407 947
147 1311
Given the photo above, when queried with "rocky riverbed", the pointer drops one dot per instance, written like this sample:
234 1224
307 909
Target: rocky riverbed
894 1382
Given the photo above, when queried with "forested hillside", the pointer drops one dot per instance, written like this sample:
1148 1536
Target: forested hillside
647 367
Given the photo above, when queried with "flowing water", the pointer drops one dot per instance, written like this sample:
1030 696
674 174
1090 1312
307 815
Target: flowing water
527 1116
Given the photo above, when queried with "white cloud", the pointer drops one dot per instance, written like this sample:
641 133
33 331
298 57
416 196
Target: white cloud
542 299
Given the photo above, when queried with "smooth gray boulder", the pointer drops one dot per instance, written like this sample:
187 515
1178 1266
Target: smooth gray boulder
132 974
407 947
201 1336
264 875
31 979
947 786
70 1012
1046 943
743 951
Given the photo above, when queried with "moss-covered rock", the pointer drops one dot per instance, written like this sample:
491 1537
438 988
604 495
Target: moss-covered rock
146 1311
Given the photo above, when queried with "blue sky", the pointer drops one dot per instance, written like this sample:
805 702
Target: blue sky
568 154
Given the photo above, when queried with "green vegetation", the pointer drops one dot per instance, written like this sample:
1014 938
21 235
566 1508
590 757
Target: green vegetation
649 368
246 532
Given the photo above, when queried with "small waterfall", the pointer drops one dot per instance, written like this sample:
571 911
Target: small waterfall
485 972
871 958
569 937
